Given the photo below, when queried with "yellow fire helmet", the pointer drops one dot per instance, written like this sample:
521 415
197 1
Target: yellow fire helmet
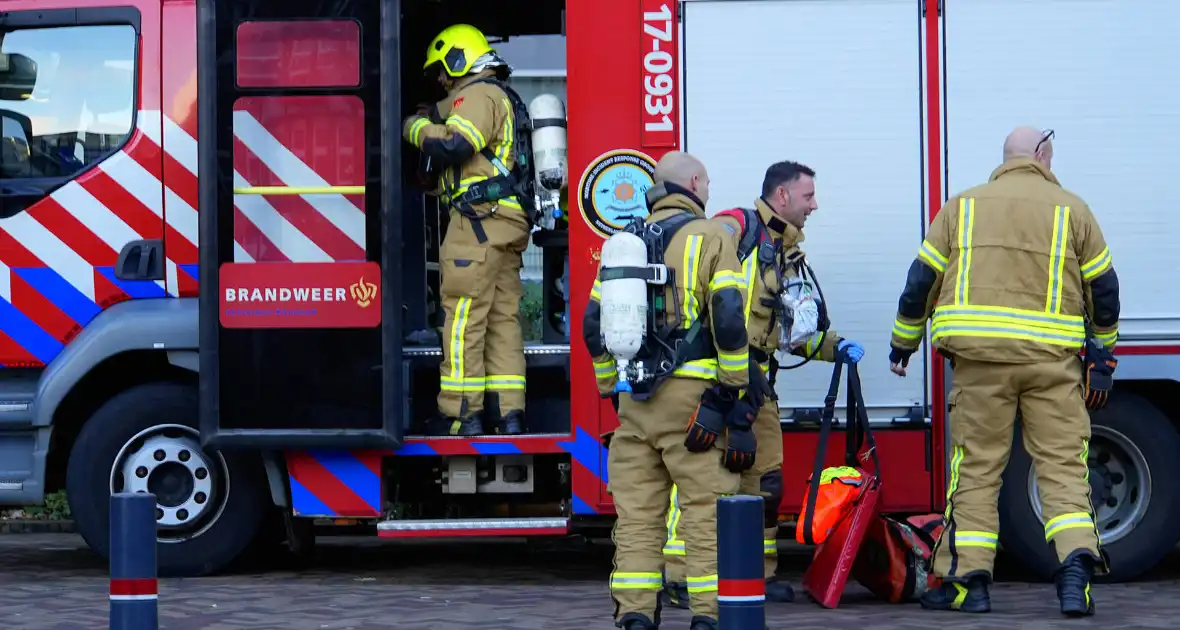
457 48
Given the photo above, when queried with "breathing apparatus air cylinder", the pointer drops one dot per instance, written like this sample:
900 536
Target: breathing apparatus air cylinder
624 300
550 155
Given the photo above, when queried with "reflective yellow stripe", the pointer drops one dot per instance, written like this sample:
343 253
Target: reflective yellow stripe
1096 266
702 584
469 131
692 261
952 486
725 279
1073 520
907 331
701 368
931 256
504 149
960 595
966 223
636 581
456 380
466 182
1108 339
986 540
1057 259
416 131
813 342
596 290
674 546
770 547
748 267
1085 457
734 361
504 382
604 369
1008 323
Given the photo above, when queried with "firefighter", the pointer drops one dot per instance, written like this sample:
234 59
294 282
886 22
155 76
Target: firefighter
788 198
1023 281
470 135
651 450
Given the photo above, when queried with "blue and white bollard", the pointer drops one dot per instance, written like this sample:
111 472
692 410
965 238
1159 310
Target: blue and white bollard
741 585
133 562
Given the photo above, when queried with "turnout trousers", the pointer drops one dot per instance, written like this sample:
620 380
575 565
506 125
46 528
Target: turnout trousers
483 349
765 479
646 457
984 400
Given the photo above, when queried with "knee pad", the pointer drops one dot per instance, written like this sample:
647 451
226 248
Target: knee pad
771 486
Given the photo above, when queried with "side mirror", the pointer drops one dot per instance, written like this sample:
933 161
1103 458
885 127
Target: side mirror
18 76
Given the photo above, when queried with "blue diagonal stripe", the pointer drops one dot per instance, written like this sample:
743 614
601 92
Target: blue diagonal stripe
581 507
585 450
352 473
27 333
71 301
304 503
411 449
135 288
190 270
496 448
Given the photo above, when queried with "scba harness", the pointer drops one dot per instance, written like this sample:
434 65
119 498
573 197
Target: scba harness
519 181
667 345
754 236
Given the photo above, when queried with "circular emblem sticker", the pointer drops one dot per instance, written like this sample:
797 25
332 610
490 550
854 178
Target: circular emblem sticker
613 190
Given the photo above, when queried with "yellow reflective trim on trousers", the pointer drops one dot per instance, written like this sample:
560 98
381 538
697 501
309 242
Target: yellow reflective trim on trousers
966 223
636 581
733 360
604 369
1097 265
1007 323
469 131
673 546
701 368
596 290
952 487
931 256
504 148
749 265
692 263
416 131
469 384
457 333
504 382
769 547
907 331
1085 457
986 540
1057 259
1073 520
702 584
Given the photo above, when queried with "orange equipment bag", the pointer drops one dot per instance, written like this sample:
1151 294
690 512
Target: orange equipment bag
839 488
896 557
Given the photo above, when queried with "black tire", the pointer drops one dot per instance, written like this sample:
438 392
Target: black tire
220 538
1157 529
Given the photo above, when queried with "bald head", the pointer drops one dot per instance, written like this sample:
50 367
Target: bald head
684 170
1025 142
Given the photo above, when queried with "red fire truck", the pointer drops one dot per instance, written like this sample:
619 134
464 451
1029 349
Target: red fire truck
312 291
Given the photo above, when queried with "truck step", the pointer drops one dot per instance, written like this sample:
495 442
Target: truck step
530 350
474 528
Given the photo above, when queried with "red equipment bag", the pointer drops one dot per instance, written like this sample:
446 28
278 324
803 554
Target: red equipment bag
895 561
830 566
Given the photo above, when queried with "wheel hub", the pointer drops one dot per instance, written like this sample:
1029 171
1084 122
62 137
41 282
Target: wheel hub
190 486
1120 484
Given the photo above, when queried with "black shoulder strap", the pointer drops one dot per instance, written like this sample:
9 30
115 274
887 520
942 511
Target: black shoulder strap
665 229
751 234
858 425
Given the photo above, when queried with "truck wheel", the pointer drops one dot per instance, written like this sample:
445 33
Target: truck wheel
209 504
1134 486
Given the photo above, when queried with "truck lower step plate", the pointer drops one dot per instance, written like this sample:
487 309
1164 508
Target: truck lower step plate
474 528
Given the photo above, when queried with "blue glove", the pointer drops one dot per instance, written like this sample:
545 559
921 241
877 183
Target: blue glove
622 386
851 350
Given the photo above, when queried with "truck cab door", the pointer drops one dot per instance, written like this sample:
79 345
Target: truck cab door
299 174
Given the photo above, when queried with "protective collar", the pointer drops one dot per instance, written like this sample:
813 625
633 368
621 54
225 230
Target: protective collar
666 195
779 229
1024 165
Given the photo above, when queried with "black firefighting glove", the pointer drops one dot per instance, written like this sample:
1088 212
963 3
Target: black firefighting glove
741 444
708 421
1099 363
900 356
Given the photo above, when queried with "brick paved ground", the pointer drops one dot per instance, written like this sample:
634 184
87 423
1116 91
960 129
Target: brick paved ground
53 582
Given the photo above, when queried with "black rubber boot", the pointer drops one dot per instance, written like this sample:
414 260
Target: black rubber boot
703 623
777 591
1073 585
446 426
512 423
971 597
636 621
676 595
